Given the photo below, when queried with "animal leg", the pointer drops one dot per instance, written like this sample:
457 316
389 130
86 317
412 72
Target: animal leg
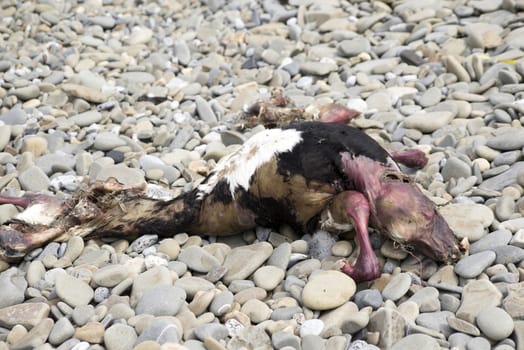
356 208
15 244
412 158
336 113
18 201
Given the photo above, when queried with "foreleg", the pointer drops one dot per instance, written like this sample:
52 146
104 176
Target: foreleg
352 206
412 158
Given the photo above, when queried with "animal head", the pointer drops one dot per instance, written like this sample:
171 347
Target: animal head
407 216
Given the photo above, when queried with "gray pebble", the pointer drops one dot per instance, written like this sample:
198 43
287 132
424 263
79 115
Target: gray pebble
397 287
368 297
494 239
142 243
312 342
285 339
455 168
280 256
106 141
161 300
83 314
101 294
353 47
61 331
478 343
430 97
15 116
222 303
198 259
508 254
473 265
160 331
86 118
285 313
204 111
33 179
436 321
214 330
415 342
120 337
508 140
12 287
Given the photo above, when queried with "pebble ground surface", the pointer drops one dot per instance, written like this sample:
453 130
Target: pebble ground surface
151 91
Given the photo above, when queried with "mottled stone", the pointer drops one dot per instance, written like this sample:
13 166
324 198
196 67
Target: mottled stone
476 296
327 290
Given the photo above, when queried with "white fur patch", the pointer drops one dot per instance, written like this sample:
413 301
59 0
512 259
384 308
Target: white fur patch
238 167
37 214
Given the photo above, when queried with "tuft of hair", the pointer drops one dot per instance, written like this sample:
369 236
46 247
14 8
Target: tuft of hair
238 167
38 214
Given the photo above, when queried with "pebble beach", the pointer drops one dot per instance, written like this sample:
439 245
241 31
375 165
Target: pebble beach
154 92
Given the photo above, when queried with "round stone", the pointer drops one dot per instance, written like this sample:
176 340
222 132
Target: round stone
397 287
327 290
268 277
342 248
119 336
256 310
495 323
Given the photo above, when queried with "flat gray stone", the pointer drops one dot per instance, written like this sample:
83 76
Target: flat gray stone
161 300
429 121
494 239
72 290
416 342
471 266
198 259
507 178
34 179
243 261
397 287
12 287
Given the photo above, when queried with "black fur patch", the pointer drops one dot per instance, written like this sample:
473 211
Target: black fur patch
317 157
269 212
222 192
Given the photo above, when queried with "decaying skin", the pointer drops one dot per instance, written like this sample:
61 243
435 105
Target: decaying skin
305 175
276 112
